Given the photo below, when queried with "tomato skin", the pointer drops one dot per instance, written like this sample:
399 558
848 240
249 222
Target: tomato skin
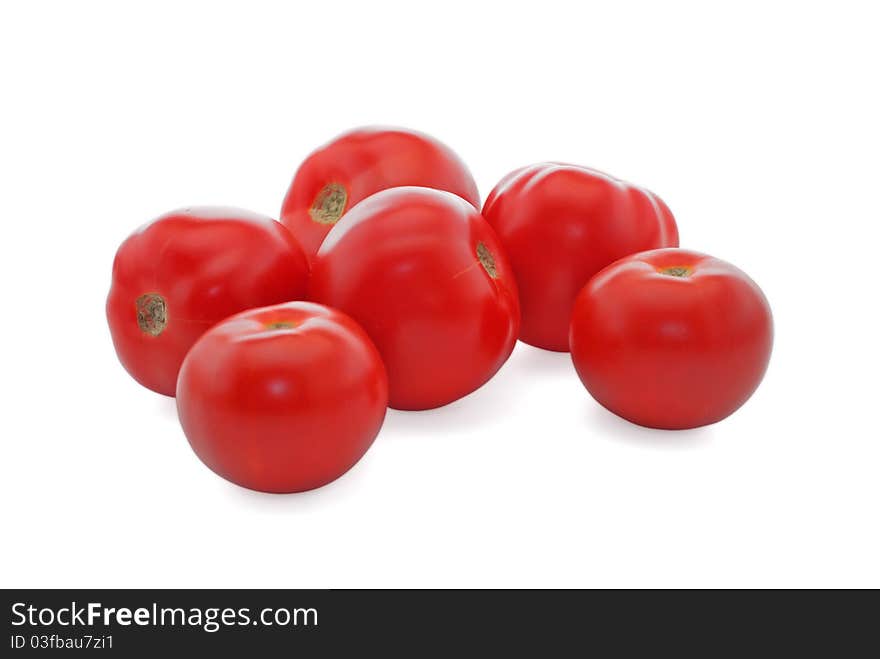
560 224
669 351
192 268
364 161
284 398
405 265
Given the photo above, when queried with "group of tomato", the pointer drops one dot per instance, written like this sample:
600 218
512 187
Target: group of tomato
385 285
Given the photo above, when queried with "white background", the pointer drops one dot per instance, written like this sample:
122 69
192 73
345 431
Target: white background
758 124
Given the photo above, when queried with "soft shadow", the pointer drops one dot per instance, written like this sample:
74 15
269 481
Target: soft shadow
167 406
479 409
501 396
538 362
616 428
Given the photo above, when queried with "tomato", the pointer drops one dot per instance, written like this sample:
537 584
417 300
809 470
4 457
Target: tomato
284 398
178 275
671 338
359 163
425 276
561 224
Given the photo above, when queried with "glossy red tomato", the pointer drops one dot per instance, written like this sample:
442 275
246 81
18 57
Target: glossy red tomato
178 275
284 398
359 163
671 338
560 225
425 276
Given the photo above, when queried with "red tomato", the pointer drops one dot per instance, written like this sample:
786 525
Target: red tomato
362 162
178 275
284 398
425 276
560 225
671 338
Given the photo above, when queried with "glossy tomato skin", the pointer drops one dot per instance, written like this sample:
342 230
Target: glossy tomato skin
362 162
671 338
185 271
284 398
560 224
425 276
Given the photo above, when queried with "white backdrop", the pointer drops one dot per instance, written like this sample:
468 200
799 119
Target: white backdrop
757 124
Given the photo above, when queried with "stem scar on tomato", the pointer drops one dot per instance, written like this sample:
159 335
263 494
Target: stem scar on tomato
152 316
329 204
676 271
280 325
487 260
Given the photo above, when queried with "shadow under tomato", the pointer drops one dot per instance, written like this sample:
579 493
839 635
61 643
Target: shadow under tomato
479 410
510 390
536 362
167 406
615 428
